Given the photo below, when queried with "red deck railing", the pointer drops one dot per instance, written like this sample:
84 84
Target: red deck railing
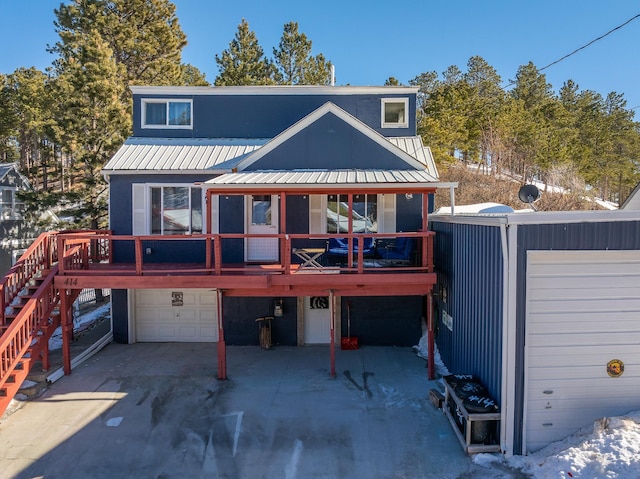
80 251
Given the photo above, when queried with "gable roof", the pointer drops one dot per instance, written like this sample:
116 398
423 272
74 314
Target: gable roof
633 200
311 118
10 176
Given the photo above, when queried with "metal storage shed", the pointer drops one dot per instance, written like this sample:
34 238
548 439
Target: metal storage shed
537 306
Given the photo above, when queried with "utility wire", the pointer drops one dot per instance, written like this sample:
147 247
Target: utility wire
590 43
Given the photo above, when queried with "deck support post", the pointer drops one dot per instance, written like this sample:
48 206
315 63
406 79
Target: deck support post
222 347
66 317
431 370
332 333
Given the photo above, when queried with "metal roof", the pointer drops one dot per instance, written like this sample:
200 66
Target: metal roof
413 145
305 90
319 179
216 154
180 154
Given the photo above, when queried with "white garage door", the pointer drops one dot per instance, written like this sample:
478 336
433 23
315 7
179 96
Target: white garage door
583 310
163 315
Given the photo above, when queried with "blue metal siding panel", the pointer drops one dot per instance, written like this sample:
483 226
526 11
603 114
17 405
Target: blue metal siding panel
383 321
120 315
468 261
265 116
330 144
618 235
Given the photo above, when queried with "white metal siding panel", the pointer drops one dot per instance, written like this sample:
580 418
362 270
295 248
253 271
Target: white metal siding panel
583 309
156 320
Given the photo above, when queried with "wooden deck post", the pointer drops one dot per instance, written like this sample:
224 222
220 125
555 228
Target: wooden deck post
222 348
332 334
67 330
430 338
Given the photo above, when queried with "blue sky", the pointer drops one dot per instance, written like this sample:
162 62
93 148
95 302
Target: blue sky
370 40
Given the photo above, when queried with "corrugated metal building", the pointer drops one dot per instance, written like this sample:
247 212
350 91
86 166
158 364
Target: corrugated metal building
538 306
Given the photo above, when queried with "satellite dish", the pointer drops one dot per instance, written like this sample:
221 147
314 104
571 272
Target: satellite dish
529 194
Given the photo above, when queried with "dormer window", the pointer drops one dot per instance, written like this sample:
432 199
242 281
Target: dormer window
395 112
158 113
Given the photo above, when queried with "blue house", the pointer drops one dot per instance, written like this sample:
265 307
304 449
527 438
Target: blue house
279 173
307 206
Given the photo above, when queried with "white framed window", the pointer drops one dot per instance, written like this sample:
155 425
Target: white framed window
11 207
167 209
371 213
395 113
164 113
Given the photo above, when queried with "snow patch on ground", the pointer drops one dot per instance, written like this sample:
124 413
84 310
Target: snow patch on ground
80 323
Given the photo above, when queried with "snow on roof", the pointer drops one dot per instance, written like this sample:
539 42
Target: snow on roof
479 208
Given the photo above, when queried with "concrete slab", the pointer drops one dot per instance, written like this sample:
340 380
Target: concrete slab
157 411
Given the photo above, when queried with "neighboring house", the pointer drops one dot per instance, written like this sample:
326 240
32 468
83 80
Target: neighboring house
633 200
15 233
222 160
541 307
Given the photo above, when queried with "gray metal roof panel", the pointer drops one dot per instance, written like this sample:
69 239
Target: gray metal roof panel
178 154
325 177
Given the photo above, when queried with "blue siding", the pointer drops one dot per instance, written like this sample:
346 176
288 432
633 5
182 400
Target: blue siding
329 143
383 321
240 327
265 116
468 261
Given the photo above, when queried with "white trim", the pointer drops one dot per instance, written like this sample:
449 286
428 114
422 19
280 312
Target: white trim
342 115
383 104
273 90
167 126
540 217
139 209
215 213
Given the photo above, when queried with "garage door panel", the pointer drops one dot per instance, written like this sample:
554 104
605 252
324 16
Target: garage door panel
582 310
157 320
559 323
585 305
591 339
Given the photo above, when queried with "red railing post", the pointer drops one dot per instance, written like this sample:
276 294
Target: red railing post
138 251
286 261
217 254
207 254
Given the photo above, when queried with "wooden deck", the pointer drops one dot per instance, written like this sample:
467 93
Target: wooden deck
252 280
86 261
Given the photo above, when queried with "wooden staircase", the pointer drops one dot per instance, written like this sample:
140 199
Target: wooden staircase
29 315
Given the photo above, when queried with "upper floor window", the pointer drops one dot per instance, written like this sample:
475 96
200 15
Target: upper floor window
167 113
395 113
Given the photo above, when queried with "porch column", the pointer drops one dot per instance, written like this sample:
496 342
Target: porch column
222 348
431 370
66 320
332 333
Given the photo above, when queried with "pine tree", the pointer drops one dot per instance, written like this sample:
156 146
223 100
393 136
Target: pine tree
192 76
144 36
91 123
296 65
244 63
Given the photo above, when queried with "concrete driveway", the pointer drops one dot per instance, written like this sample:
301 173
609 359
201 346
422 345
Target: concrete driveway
157 411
